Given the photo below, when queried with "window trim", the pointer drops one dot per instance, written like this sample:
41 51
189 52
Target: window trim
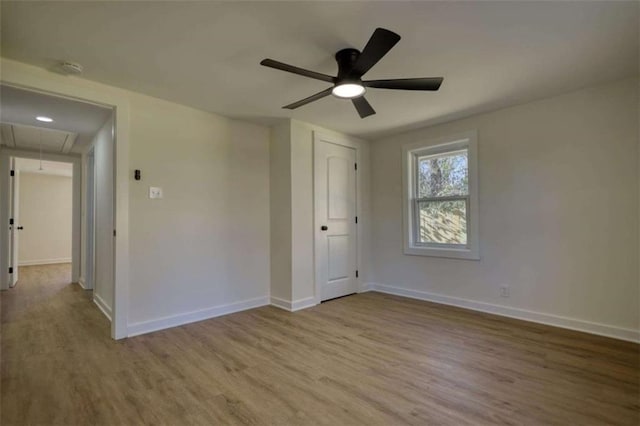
410 153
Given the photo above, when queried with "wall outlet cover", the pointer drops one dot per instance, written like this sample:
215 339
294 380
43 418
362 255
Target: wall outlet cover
155 192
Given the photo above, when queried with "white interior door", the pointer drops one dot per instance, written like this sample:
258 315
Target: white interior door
335 219
14 214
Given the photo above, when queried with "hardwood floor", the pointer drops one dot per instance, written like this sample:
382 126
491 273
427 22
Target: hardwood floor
365 359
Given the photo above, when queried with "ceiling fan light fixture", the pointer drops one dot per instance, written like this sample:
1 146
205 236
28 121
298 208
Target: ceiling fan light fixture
348 90
352 65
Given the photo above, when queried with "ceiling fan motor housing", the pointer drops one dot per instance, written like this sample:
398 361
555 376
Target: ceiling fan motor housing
346 58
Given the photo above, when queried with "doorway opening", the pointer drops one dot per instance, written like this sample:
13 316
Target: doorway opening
59 195
41 210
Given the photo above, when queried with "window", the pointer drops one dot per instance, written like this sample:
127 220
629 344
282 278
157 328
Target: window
440 198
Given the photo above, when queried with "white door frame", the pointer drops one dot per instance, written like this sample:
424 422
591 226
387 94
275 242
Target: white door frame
14 200
37 79
319 137
5 157
87 273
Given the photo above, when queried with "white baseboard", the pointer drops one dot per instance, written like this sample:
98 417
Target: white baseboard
365 287
149 326
523 314
299 304
296 305
280 303
83 284
99 301
43 261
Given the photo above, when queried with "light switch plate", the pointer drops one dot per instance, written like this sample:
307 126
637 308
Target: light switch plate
155 192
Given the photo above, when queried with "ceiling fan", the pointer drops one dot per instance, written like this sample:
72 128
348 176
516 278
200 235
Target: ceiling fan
352 65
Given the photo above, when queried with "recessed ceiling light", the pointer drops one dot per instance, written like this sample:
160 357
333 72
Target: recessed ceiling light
43 118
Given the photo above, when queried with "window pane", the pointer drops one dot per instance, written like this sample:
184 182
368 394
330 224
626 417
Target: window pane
443 175
442 222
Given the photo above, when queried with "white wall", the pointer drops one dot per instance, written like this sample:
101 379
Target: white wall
204 247
558 214
201 251
45 208
103 290
280 211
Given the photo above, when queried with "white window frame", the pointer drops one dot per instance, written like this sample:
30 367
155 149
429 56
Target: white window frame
410 153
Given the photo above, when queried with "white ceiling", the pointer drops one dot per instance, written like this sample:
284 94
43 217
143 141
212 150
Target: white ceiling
73 127
207 54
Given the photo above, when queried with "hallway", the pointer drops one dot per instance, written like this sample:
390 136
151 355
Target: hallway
48 326
38 284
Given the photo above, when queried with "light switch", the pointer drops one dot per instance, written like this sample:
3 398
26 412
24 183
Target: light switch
155 192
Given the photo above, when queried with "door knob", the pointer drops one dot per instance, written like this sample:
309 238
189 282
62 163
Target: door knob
324 227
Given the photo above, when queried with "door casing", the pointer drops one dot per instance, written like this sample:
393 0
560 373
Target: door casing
90 218
6 157
31 78
14 213
320 137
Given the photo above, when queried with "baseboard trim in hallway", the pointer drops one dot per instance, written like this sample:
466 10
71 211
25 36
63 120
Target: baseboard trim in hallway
44 261
100 303
627 334
143 327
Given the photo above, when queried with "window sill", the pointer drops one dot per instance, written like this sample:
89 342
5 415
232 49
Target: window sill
467 254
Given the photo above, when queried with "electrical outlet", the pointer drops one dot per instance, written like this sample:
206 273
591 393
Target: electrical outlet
155 192
504 291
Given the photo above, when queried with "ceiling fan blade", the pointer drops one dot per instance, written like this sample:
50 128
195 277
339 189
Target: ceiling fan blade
363 107
296 70
378 45
310 99
429 83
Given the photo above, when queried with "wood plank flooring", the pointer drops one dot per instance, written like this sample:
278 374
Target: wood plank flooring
367 359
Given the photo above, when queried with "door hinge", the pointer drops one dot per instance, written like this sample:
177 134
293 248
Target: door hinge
356 164
356 219
10 270
12 173
114 232
11 221
356 273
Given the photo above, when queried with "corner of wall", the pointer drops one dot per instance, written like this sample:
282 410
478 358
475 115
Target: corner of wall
280 211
